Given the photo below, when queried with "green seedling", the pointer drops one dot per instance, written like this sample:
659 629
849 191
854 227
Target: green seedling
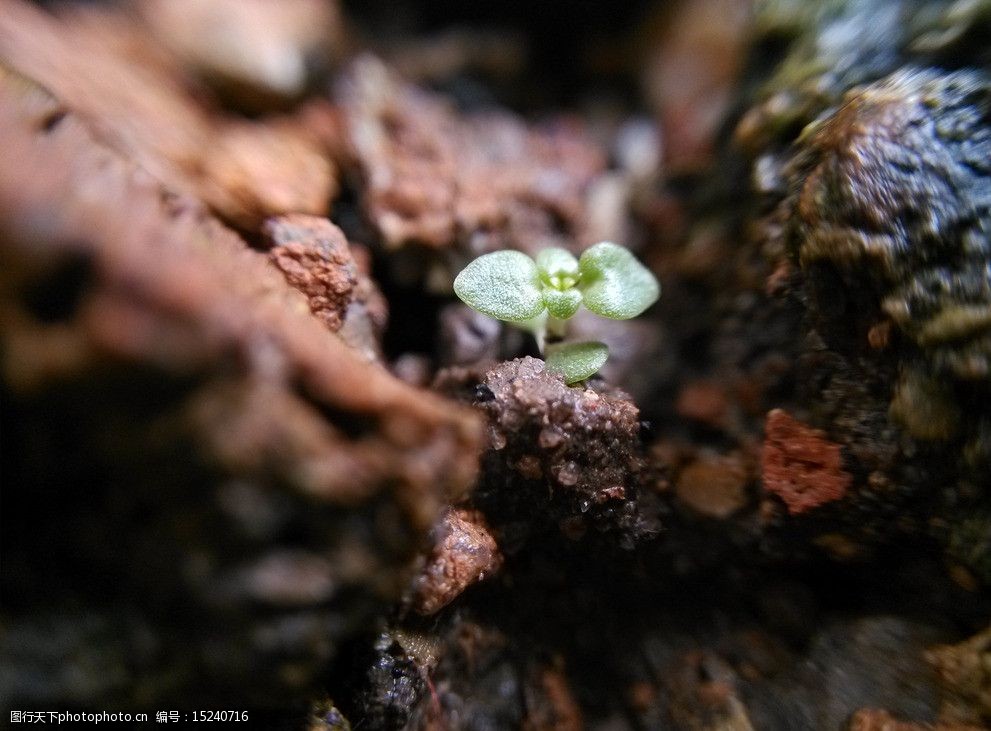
542 295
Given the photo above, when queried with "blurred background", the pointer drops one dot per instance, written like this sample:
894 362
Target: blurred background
255 455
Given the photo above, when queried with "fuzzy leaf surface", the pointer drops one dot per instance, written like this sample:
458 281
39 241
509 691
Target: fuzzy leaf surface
576 361
614 284
503 284
562 304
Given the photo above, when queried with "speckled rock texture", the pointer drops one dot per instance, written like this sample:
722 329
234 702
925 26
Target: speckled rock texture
465 552
573 451
800 466
316 259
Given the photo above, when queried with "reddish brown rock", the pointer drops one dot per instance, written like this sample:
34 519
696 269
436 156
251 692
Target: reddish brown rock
258 169
314 256
103 66
225 282
704 696
316 259
465 553
878 720
800 465
222 474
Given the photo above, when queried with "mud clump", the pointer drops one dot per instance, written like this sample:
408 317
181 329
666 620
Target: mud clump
575 451
714 487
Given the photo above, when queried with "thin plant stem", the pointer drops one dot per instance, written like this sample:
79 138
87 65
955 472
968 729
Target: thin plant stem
557 329
549 329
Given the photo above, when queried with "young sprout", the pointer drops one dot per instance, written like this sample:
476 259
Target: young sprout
542 295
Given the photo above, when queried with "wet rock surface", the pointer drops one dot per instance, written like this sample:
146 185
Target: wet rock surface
885 231
893 200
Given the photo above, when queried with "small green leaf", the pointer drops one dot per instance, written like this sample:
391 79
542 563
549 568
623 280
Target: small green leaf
614 284
562 304
576 361
504 284
558 268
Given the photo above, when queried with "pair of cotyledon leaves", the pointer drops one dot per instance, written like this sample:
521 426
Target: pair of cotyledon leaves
607 279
